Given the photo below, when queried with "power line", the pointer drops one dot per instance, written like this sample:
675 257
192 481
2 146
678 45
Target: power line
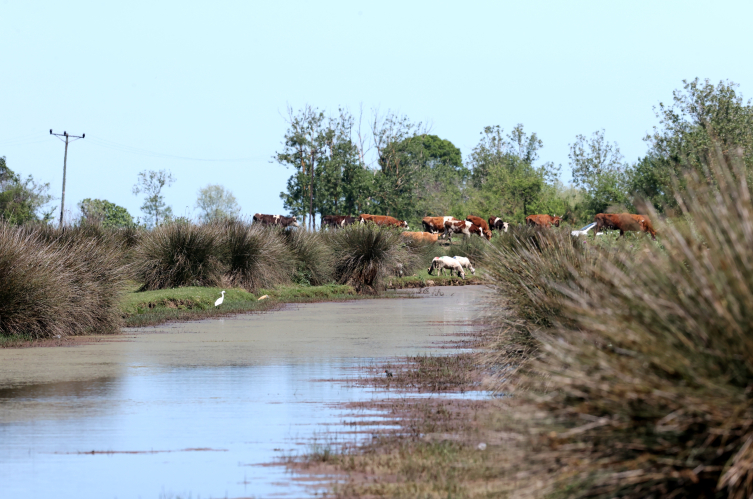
65 161
108 144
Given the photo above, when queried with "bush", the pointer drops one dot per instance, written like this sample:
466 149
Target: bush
365 253
646 373
313 258
255 256
51 287
180 254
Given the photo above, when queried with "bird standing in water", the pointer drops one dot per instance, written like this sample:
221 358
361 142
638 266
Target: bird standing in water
220 299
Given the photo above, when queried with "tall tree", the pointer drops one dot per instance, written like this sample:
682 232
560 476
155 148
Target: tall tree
101 211
22 200
151 183
216 202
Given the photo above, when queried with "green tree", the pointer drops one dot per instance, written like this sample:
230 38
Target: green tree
22 200
101 211
151 183
216 202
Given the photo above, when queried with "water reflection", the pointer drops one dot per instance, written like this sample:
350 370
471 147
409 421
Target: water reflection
242 387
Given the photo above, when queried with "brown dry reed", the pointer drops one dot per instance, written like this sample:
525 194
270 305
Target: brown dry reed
644 376
53 282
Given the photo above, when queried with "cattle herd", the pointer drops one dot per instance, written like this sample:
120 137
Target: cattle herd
448 226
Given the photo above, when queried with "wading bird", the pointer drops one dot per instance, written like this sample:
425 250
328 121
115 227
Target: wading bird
220 299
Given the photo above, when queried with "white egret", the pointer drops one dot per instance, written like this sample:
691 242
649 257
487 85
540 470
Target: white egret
220 299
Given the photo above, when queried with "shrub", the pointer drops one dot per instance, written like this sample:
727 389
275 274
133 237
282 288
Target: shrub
313 258
255 256
646 379
365 253
180 254
57 287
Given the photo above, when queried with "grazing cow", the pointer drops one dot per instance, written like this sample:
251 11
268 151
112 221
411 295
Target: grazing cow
465 263
457 227
434 225
624 222
496 223
382 220
421 237
478 221
543 221
276 220
337 221
440 263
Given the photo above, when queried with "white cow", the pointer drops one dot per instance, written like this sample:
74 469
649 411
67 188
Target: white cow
445 262
465 263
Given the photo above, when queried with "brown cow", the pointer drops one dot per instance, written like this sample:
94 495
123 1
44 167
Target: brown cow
382 220
434 225
275 220
466 228
624 222
421 237
478 221
543 221
498 224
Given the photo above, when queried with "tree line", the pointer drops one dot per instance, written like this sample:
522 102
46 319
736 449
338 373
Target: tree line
393 166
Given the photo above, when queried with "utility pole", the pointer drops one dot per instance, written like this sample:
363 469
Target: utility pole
65 161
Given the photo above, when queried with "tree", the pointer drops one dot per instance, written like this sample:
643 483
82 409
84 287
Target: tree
22 200
151 184
215 202
101 211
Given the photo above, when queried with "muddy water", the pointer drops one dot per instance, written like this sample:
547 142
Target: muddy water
193 409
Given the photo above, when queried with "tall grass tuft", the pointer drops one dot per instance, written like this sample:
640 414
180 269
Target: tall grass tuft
57 286
180 254
646 372
365 254
313 257
255 256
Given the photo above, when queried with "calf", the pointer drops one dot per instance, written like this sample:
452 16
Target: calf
440 263
496 223
382 220
275 220
465 263
543 221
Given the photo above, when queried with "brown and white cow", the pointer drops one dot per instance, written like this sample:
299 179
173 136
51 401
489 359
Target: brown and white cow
496 223
434 225
383 220
276 220
421 237
478 221
457 227
624 222
337 221
543 221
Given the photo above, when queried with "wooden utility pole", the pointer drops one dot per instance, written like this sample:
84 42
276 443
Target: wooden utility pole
65 161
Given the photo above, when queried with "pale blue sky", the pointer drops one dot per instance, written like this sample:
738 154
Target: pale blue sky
211 80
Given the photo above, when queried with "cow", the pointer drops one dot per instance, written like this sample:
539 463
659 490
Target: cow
496 223
421 237
383 220
465 263
440 263
466 228
434 225
276 220
624 222
336 221
543 221
478 221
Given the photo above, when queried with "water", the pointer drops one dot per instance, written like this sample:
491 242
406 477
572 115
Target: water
194 409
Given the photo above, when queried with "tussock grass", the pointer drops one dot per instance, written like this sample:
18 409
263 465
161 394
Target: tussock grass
313 257
180 254
57 283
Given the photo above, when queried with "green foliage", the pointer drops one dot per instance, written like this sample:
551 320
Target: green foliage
151 183
101 211
22 201
215 203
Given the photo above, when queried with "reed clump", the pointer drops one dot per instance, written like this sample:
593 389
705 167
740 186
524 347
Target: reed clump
313 257
645 369
55 285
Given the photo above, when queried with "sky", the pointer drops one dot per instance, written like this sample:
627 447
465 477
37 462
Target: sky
202 88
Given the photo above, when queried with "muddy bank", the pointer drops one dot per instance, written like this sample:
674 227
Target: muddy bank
408 283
